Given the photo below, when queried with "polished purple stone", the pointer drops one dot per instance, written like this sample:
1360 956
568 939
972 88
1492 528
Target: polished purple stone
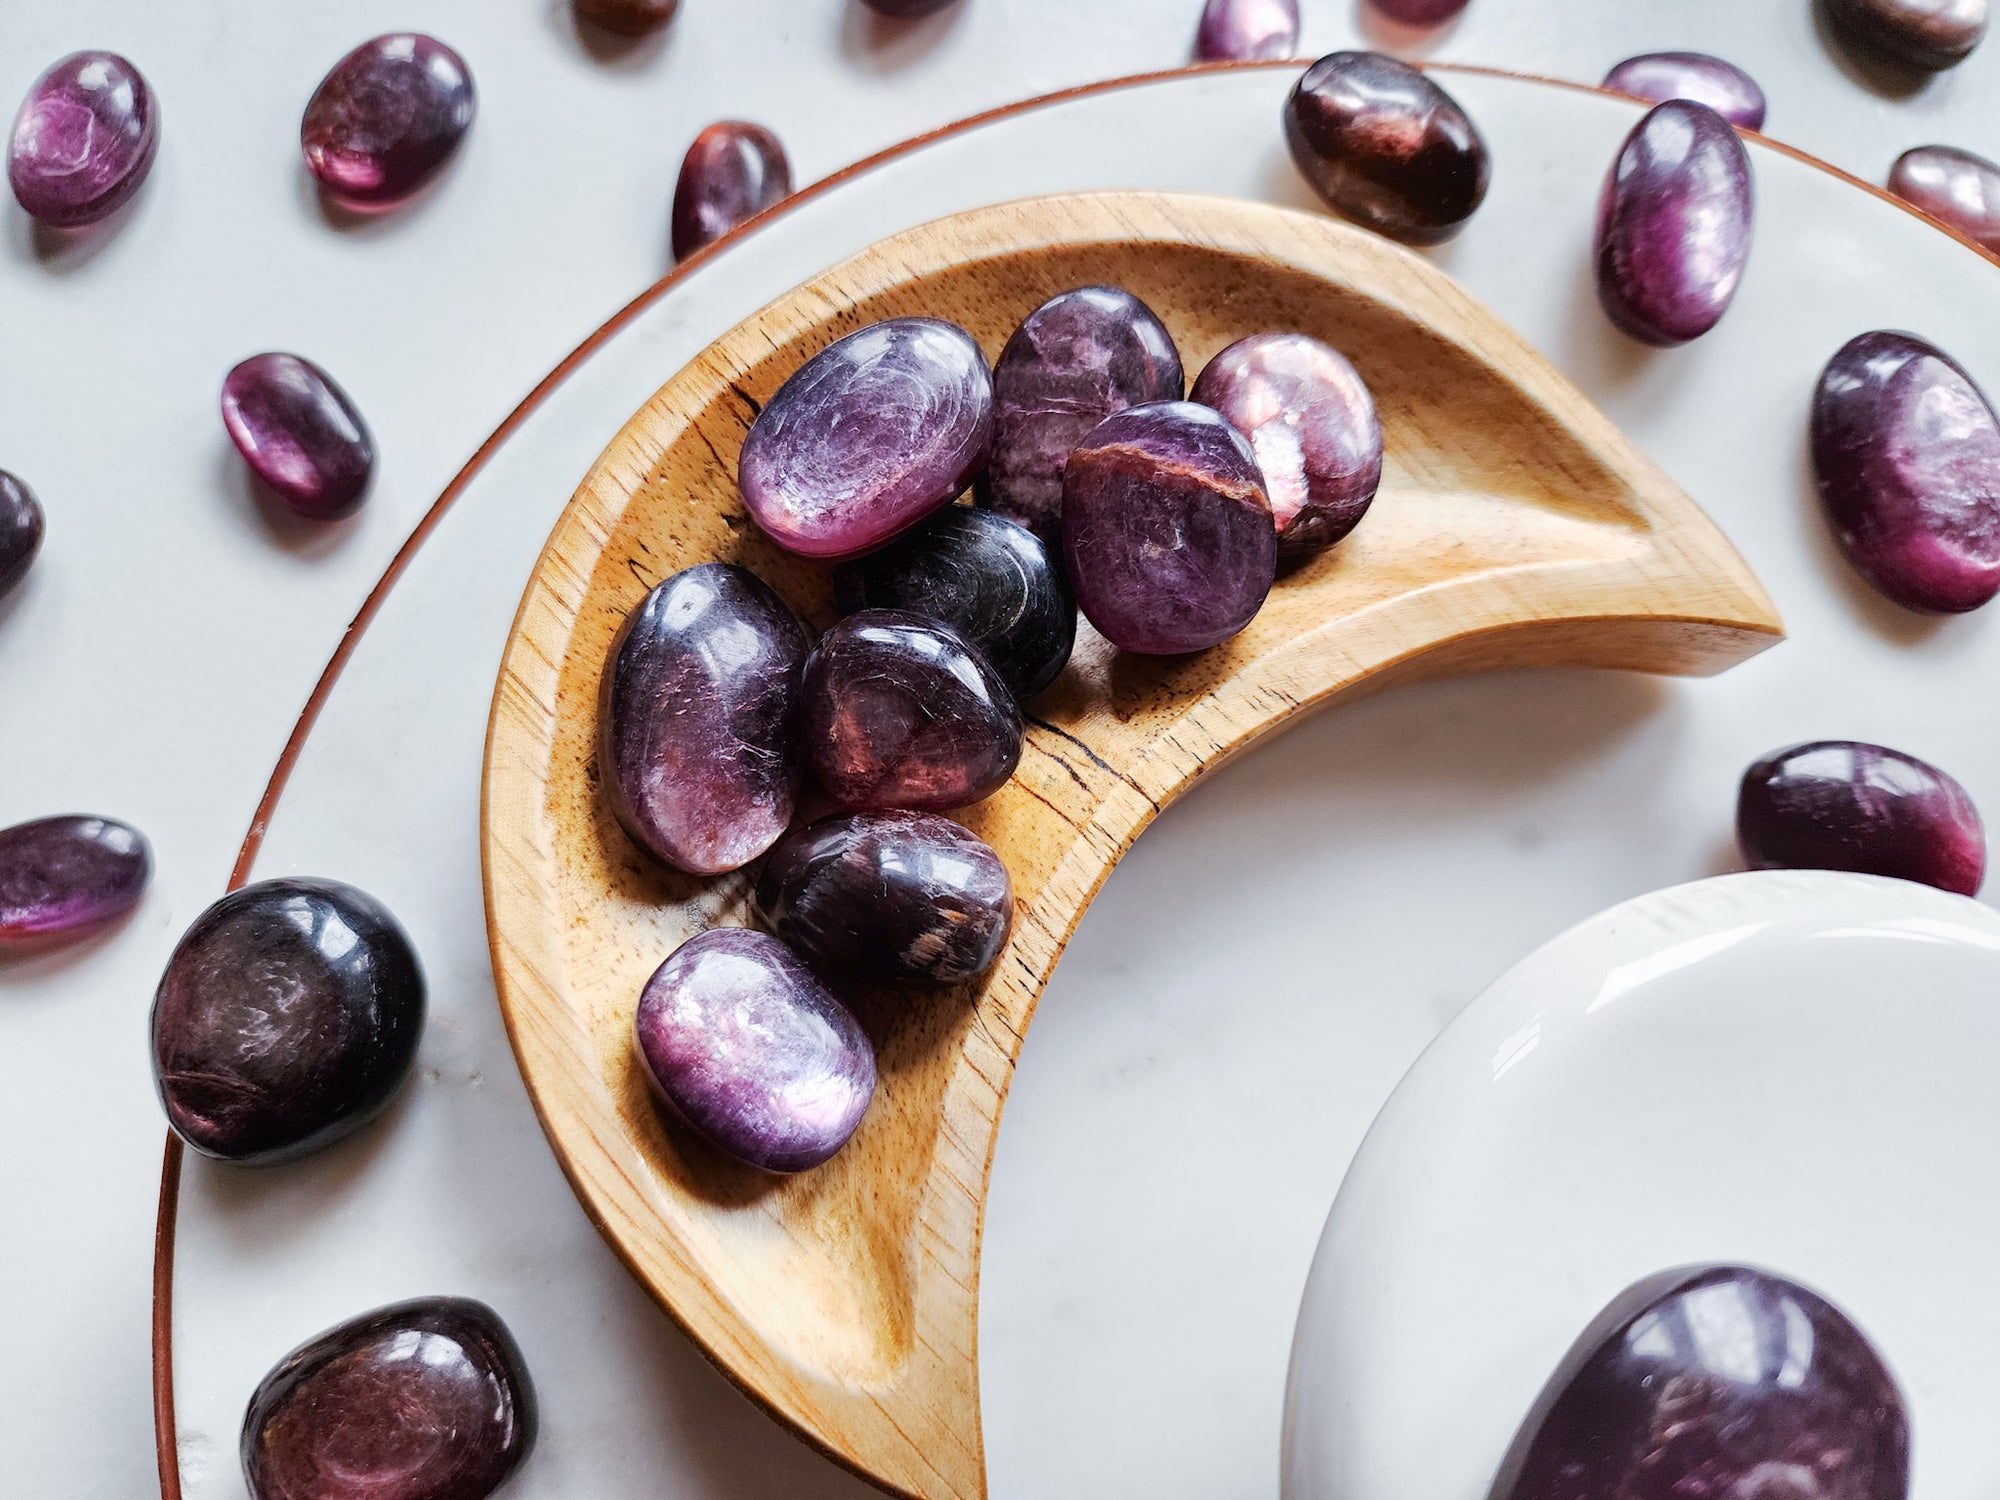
1928 34
1845 805
288 1018
423 1400
1907 450
1312 425
1240 30
20 530
695 719
1419 12
1715 1383
1673 224
1385 146
907 9
63 877
900 712
1167 529
1074 361
84 139
301 434
1954 186
1722 86
894 898
752 1053
628 17
386 119
732 172
868 437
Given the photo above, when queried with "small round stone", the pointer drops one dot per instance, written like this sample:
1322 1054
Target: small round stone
732 172
20 530
300 433
628 17
1954 186
1242 30
1419 12
907 9
386 119
84 139
1722 86
1929 34
67 876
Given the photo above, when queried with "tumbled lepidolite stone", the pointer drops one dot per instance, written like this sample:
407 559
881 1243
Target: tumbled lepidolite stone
20 530
889 898
1957 187
1846 805
300 433
1419 12
1928 34
1167 529
752 1053
1722 86
66 876
386 119
695 719
288 1017
1907 451
84 139
1239 30
1718 1382
732 172
422 1400
868 437
1312 425
628 17
1385 146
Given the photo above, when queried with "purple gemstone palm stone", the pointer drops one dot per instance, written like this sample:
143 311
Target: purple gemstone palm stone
422 1400
1907 450
732 172
628 17
20 530
1717 1382
1167 529
1722 86
695 719
1313 427
63 877
1241 30
1929 34
1673 224
1955 186
752 1053
1845 805
1419 12
300 433
84 139
868 437
386 119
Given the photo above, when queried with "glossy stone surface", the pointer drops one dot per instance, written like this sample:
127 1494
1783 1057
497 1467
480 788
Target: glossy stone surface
1928 34
1673 224
422 1400
301 434
1722 86
889 898
1167 531
1074 361
386 119
695 719
20 530
1419 12
868 437
1717 1382
1846 805
288 1017
900 712
84 139
1238 30
1312 425
1907 451
990 580
1953 185
628 17
732 172
752 1053
65 876
1385 146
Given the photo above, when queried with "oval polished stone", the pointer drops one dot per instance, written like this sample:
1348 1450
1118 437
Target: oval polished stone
732 172
1722 86
1716 1381
752 1053
893 898
1240 30
422 1400
695 719
1385 146
64 876
1928 34
20 531
386 119
1167 530
1955 186
1312 425
84 139
1907 452
900 712
868 437
1673 224
1846 805
288 1018
628 17
1419 12
300 433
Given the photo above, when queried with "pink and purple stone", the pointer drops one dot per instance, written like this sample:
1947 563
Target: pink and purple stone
386 119
84 139
732 172
66 877
1954 186
1245 30
1722 86
1423 13
20 530
1929 34
299 433
628 17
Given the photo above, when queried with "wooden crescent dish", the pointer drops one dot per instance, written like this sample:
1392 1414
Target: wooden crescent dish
1515 527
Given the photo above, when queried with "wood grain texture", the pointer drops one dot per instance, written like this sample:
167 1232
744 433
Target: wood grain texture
1515 526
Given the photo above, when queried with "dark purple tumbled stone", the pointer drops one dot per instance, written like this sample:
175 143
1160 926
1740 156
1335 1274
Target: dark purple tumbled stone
1167 529
1722 86
422 1400
1240 30
695 719
868 437
907 9
1845 805
1419 12
1312 425
20 530
1907 451
386 119
300 433
64 876
84 139
1928 34
628 17
889 898
1954 186
288 1017
732 172
1715 1383
752 1053
1673 224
